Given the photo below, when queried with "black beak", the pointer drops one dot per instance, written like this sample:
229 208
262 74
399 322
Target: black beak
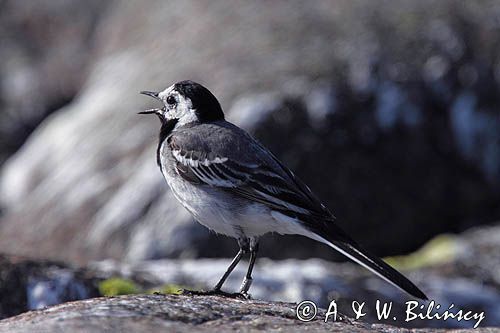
151 93
155 96
150 111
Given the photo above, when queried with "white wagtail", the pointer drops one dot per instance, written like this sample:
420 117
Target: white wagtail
233 185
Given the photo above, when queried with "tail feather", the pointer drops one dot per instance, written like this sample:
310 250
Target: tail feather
342 243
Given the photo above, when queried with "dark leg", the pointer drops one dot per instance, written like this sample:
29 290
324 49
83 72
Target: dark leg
231 267
244 248
247 281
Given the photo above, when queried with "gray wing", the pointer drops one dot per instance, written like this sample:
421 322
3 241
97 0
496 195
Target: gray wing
222 155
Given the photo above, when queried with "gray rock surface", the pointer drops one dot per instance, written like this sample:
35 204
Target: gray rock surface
181 314
460 270
451 270
321 282
389 113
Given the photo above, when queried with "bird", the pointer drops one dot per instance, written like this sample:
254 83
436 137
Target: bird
233 185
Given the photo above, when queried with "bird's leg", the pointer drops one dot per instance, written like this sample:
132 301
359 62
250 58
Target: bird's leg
247 281
231 267
244 248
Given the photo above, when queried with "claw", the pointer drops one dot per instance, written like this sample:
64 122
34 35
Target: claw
244 295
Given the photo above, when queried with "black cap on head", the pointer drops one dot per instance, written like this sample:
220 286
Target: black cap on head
204 102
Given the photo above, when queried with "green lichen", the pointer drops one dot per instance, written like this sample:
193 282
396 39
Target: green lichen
117 286
168 289
439 250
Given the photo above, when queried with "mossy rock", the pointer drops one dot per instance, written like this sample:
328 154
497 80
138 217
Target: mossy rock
168 289
118 286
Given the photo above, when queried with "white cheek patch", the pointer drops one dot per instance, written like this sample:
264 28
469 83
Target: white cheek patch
183 111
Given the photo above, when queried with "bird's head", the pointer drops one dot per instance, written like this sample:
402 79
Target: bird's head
186 102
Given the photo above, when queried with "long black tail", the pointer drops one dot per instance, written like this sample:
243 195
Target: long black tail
335 237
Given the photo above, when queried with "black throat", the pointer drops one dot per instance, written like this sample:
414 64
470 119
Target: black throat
167 127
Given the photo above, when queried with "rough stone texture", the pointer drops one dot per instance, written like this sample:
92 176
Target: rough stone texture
452 270
460 270
389 112
181 314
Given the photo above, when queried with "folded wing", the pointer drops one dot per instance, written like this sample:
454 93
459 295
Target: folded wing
255 182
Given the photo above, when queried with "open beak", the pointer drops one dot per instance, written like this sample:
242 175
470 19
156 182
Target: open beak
155 96
150 111
151 93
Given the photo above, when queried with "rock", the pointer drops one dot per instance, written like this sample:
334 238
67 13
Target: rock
460 270
180 314
387 111
320 282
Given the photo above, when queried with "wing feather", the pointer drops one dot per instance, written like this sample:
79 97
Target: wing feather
255 182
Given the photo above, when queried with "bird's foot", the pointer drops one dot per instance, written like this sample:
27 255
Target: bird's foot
244 295
214 292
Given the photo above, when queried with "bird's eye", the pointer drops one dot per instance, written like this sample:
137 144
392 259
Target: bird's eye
170 100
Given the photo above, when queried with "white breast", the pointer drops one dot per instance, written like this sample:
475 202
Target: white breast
202 202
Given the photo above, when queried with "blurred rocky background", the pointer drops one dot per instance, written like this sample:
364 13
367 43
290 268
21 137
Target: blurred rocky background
389 111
